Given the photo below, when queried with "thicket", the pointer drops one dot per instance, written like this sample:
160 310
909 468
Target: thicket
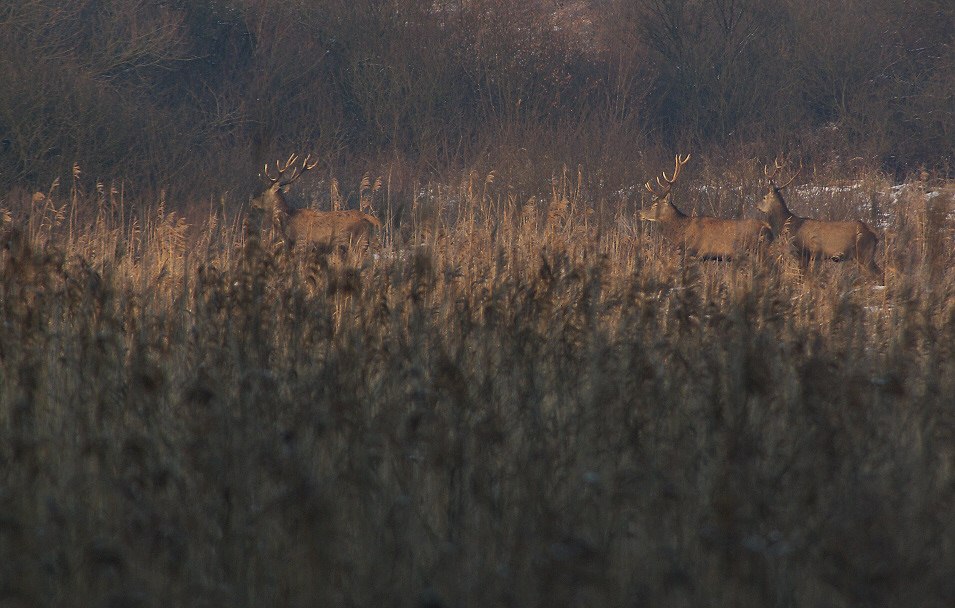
193 96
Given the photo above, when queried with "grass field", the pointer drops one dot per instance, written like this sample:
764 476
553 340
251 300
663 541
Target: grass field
513 403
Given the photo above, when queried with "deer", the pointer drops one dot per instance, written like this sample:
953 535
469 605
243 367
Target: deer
708 238
309 227
815 240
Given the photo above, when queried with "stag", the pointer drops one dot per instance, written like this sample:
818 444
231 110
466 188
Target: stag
306 226
815 240
709 238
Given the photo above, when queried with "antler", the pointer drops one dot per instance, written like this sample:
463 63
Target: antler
792 179
771 176
676 170
652 191
280 171
669 180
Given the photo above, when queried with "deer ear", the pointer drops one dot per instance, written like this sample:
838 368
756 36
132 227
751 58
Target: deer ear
285 188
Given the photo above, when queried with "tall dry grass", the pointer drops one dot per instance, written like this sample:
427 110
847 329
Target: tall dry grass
516 402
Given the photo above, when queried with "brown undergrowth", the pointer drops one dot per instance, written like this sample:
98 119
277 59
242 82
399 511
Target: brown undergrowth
514 404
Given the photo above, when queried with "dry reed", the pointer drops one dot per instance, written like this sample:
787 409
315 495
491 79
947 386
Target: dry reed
526 404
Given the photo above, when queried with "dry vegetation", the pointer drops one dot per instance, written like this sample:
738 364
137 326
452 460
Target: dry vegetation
538 406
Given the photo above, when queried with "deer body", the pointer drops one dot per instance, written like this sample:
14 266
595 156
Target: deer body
708 237
705 237
334 228
818 239
306 226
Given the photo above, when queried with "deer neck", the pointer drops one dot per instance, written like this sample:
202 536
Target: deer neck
672 221
669 214
778 214
278 200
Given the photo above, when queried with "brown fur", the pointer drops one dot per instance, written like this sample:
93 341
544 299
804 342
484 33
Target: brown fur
707 237
331 228
816 239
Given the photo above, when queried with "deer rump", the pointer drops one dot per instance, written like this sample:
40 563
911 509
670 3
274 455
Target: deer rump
332 228
712 238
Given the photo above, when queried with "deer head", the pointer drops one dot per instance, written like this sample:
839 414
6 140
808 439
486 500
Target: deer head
661 207
773 198
273 198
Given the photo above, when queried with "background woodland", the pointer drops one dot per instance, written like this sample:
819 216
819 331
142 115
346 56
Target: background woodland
192 97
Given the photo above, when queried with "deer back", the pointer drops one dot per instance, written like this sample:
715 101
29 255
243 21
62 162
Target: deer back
332 227
836 240
716 238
